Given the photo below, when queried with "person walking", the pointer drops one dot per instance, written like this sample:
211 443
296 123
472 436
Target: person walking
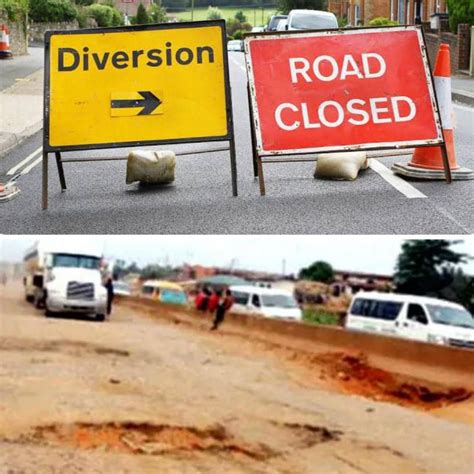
109 286
223 306
214 301
202 299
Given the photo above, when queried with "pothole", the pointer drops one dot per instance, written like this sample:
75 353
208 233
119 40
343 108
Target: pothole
355 375
310 435
75 348
145 439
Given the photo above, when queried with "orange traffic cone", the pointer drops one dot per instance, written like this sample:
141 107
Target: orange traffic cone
8 191
427 162
5 52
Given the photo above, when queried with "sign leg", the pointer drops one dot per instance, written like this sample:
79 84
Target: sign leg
62 179
252 136
447 169
233 167
45 181
261 179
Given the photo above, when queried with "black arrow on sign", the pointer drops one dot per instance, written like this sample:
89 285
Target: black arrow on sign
149 103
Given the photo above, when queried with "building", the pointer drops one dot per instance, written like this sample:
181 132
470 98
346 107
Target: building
129 7
406 12
415 12
352 282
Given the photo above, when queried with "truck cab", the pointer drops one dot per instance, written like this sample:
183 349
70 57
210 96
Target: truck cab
61 279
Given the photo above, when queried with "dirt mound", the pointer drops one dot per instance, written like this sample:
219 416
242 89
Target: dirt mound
355 375
146 439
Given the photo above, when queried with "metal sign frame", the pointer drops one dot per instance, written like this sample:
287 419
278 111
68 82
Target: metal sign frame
47 148
261 156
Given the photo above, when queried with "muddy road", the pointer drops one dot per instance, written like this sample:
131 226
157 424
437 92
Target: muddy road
144 394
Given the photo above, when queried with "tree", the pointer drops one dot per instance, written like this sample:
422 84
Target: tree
318 271
460 11
213 13
240 17
426 267
105 15
157 14
52 11
461 290
285 6
234 25
156 272
84 3
142 17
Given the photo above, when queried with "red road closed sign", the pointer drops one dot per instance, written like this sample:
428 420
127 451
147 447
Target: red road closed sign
341 90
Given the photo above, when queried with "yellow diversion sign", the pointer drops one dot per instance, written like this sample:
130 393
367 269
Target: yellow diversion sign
135 85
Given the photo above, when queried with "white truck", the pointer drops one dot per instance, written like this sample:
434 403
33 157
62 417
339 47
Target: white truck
65 277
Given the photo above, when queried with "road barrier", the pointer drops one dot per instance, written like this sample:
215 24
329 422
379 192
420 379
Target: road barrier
340 90
437 364
136 86
427 163
5 51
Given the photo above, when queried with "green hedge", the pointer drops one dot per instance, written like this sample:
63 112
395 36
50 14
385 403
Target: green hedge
105 15
319 316
52 11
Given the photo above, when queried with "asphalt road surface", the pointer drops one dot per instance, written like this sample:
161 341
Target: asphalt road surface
21 66
139 394
200 201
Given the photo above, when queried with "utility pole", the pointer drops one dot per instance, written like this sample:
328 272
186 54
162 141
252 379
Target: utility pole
192 10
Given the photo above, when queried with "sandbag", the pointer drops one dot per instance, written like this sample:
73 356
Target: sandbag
343 166
151 167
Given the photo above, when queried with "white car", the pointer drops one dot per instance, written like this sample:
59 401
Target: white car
265 302
412 317
121 288
310 20
235 45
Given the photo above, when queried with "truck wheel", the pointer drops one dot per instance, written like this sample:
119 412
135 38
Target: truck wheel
100 317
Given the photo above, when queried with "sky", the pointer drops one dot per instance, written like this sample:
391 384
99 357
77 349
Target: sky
377 254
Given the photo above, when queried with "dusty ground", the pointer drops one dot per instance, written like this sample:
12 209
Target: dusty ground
141 395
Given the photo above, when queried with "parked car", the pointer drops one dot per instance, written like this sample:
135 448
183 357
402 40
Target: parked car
235 45
122 288
267 302
311 20
282 25
412 317
164 291
274 21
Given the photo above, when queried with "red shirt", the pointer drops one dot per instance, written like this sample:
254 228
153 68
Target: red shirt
198 300
213 302
228 302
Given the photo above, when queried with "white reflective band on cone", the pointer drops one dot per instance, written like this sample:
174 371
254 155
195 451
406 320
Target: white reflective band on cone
443 92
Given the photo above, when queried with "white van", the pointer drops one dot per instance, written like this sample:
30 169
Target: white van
265 302
413 317
310 20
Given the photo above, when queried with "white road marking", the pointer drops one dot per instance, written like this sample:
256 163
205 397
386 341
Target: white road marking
24 162
31 166
463 107
398 183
